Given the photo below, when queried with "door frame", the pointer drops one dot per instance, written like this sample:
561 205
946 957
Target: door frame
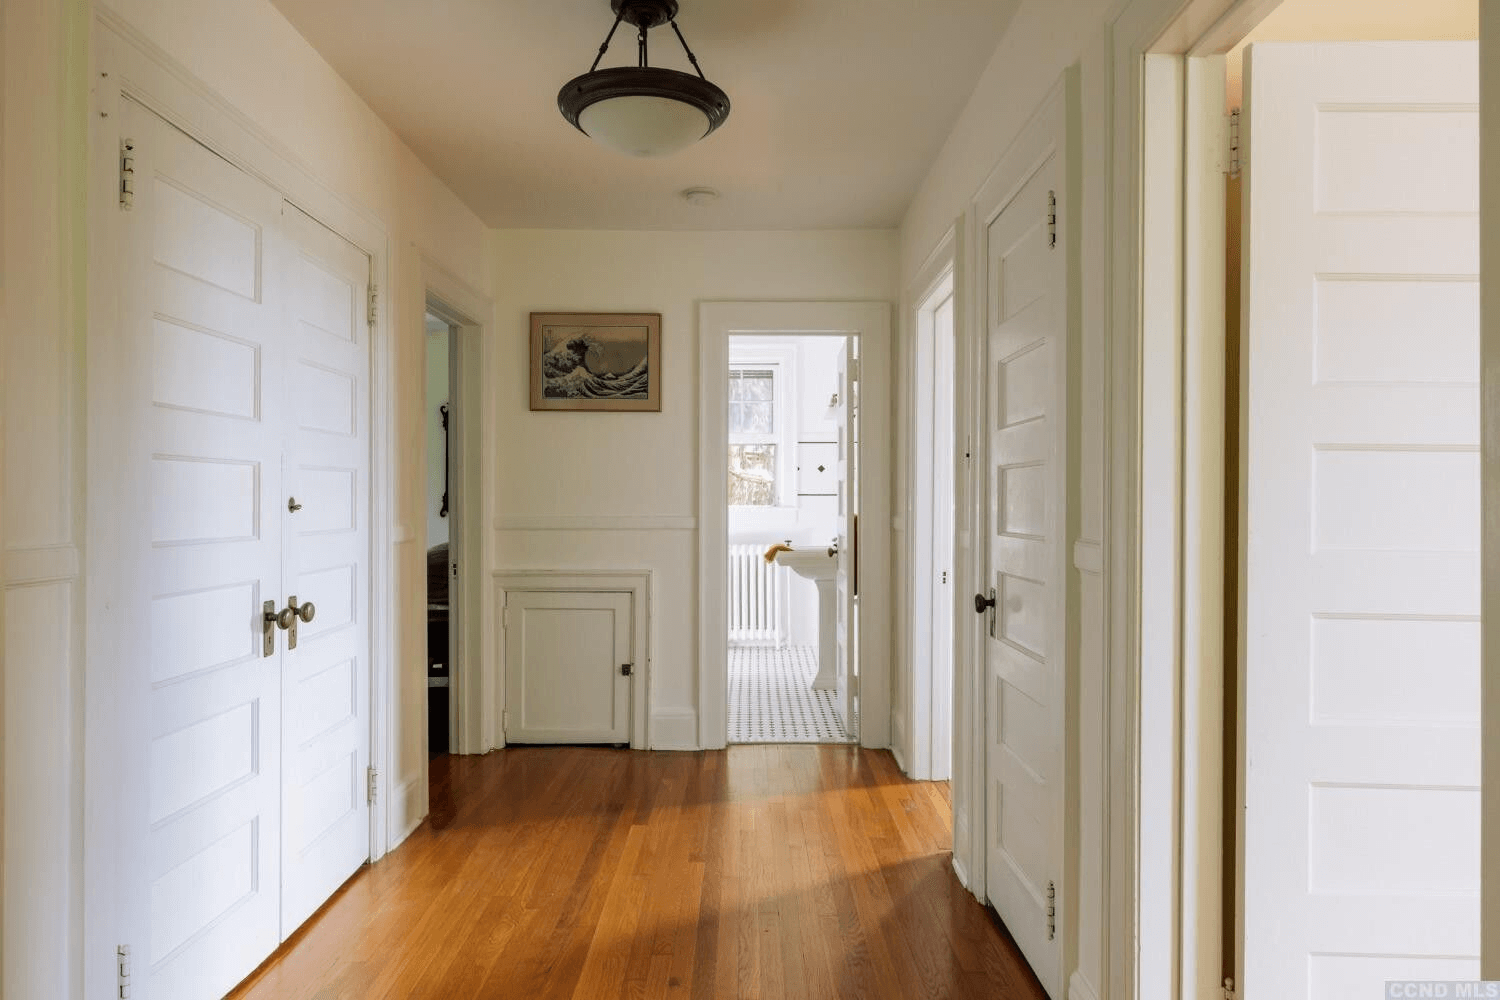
871 322
472 639
913 727
125 65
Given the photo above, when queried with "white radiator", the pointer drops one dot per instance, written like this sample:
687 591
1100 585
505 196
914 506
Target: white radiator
756 613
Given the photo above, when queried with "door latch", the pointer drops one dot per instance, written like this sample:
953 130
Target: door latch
984 604
626 669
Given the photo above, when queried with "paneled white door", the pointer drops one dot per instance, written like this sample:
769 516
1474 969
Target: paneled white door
846 575
325 818
1361 669
563 657
209 315
1025 644
256 753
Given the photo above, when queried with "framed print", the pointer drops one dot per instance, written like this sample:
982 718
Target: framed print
596 361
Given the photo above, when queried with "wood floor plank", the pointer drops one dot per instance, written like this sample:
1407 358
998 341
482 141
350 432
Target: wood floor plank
767 872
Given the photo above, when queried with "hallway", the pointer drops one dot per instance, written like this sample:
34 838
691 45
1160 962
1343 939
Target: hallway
765 871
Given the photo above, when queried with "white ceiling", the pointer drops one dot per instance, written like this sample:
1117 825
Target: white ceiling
839 106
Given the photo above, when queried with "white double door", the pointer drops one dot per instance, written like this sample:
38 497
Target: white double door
1361 657
253 421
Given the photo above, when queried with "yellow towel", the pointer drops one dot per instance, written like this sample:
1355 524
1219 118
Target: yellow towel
778 547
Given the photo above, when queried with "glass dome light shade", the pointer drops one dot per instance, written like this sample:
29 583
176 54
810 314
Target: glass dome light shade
643 125
643 110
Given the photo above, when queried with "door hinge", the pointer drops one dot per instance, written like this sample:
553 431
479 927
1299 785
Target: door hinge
127 174
1051 910
122 965
374 303
1229 993
1052 219
1231 150
372 784
626 669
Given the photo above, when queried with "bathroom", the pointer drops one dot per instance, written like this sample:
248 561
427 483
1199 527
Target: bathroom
792 414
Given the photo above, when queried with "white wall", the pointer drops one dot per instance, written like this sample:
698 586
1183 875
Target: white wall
247 53
437 396
1044 39
604 481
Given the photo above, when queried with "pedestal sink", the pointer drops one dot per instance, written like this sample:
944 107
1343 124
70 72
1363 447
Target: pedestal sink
819 566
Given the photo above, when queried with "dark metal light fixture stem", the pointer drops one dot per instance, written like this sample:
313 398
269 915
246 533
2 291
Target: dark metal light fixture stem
605 47
691 58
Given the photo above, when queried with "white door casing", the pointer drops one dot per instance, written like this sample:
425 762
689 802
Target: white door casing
1025 643
244 832
325 808
563 657
846 577
1360 680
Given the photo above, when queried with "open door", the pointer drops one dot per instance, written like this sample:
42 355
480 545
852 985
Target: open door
846 691
1360 679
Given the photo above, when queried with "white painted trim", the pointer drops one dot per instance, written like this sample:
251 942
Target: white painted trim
871 322
1160 740
1079 988
1088 557
636 582
408 808
475 636
917 586
41 564
1202 389
674 729
521 522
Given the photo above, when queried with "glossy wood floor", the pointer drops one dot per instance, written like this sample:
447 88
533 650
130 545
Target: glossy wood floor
760 871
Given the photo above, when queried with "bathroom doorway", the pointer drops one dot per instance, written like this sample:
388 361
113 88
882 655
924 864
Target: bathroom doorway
793 503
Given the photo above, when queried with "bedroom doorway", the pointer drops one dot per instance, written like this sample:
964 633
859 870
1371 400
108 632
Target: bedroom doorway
440 419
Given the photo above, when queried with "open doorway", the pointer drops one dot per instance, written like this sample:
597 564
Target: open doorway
933 462
441 501
792 498
1334 524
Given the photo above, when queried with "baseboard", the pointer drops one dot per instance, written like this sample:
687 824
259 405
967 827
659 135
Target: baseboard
410 808
674 729
1080 988
962 873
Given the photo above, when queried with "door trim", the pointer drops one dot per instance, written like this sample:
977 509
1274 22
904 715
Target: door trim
139 71
912 732
471 313
871 322
638 583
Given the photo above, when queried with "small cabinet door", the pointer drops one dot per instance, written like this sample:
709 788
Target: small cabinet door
565 654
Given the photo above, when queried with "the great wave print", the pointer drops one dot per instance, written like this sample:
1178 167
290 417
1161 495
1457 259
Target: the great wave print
595 363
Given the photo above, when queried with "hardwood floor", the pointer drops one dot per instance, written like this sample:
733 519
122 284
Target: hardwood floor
761 871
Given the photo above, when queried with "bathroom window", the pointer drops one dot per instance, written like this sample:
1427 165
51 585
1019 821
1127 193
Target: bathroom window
754 436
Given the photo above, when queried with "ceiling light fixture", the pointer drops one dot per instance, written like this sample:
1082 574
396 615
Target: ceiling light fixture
643 110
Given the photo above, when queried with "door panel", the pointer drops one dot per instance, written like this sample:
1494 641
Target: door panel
1025 644
1361 669
326 678
209 316
563 653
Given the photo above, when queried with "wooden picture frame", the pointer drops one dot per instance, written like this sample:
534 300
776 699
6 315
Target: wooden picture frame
596 361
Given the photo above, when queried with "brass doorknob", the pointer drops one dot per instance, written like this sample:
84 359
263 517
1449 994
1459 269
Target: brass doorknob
306 611
982 603
285 619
